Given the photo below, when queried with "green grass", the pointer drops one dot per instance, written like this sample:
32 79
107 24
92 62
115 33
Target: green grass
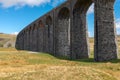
25 65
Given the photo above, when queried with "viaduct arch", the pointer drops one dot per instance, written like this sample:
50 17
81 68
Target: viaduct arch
63 31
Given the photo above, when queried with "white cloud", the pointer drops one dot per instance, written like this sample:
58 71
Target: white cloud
56 2
91 9
118 26
32 3
90 34
118 32
118 23
21 3
15 33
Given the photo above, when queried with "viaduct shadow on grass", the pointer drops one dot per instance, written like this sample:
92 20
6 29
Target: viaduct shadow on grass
89 60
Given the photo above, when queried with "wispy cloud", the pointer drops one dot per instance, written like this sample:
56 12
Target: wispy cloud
89 34
118 32
56 2
118 23
21 3
15 33
32 3
118 26
91 9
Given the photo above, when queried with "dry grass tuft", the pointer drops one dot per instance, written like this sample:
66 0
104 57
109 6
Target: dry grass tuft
46 72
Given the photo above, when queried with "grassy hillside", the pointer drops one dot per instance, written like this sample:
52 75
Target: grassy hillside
4 38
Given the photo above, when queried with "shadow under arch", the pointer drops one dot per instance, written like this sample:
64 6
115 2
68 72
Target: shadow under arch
80 46
40 38
27 38
62 33
33 38
30 38
49 34
64 13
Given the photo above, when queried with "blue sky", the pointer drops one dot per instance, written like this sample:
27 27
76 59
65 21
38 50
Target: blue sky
16 14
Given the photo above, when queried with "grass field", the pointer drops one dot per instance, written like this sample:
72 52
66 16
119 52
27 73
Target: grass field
25 65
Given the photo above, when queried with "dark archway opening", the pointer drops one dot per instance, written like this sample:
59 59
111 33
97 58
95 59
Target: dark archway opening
49 24
30 38
49 35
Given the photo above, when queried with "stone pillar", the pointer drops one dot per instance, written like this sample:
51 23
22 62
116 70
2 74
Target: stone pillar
63 38
22 41
46 39
40 39
35 39
17 43
35 34
105 35
79 36
31 39
27 40
50 36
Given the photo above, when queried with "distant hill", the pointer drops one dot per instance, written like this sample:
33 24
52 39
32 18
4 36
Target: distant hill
7 40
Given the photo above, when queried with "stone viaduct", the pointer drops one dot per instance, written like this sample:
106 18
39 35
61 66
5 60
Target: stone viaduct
63 31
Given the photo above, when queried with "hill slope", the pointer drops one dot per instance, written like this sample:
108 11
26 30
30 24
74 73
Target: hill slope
7 40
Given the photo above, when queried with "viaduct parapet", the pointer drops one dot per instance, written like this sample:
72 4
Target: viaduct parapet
64 31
